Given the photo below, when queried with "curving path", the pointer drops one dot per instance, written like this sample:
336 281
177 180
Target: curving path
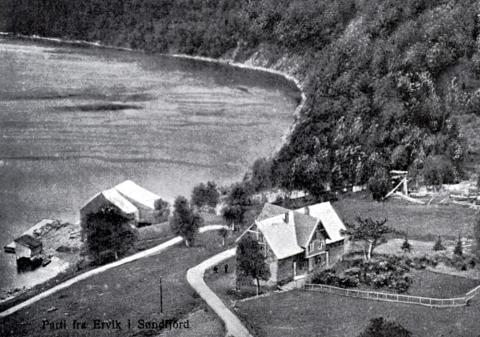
155 250
233 324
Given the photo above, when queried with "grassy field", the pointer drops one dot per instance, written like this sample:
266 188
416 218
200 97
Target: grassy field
130 292
307 314
420 221
430 284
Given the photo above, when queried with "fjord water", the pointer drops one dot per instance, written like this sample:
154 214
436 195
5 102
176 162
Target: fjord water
77 120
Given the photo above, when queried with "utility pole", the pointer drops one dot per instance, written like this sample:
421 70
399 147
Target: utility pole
161 296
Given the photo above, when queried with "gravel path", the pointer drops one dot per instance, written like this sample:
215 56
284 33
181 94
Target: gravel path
233 324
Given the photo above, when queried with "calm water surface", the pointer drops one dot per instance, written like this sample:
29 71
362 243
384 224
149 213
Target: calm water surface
75 121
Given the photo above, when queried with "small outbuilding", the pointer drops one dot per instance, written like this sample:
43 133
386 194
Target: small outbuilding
26 246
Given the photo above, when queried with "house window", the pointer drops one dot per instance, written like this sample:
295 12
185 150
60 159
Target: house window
311 247
319 261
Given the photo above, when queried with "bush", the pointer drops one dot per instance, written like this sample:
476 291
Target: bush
162 210
379 185
387 272
379 327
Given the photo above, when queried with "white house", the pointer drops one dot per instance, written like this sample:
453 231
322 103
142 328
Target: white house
298 242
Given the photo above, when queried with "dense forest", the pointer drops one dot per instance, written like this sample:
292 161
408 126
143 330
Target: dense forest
385 80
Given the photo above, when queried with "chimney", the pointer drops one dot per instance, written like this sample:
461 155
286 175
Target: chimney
286 217
307 210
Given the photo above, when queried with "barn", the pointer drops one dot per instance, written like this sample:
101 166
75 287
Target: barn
132 200
109 198
297 242
142 199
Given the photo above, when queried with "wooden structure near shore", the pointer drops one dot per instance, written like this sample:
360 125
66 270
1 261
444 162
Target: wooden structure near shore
27 247
32 231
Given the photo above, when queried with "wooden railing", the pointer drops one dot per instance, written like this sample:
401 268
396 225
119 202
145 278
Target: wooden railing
399 298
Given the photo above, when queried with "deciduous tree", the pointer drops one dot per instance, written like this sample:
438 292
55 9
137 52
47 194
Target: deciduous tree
251 261
162 210
108 233
185 222
369 230
205 195
238 202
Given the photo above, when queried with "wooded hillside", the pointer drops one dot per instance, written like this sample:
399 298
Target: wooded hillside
385 80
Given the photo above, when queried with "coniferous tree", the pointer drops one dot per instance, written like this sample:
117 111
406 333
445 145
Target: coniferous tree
476 233
458 247
438 244
406 246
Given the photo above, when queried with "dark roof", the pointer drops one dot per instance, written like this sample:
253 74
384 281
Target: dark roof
270 210
28 241
304 226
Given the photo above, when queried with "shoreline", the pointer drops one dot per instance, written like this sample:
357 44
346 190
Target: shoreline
221 61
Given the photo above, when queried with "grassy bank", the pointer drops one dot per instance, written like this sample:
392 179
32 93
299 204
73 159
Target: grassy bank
130 292
306 314
420 221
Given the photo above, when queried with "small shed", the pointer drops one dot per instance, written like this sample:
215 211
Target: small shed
26 246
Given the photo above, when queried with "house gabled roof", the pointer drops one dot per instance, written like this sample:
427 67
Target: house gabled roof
270 210
280 235
28 241
137 193
288 238
329 219
117 200
304 227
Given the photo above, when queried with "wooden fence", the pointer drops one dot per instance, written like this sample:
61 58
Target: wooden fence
399 298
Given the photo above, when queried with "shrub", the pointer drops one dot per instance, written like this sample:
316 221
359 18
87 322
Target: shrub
379 185
379 327
162 210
